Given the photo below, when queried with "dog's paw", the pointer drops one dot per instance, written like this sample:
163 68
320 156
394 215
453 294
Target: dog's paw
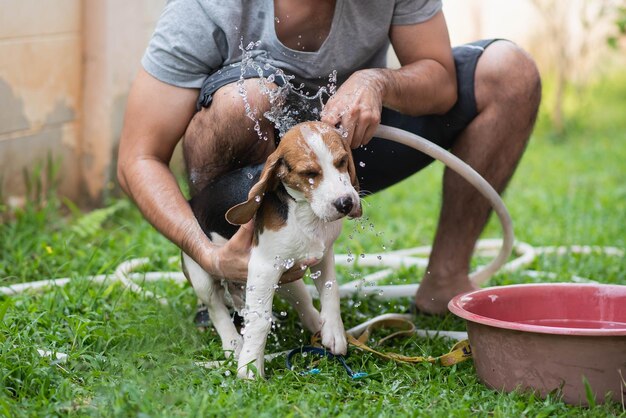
250 370
334 336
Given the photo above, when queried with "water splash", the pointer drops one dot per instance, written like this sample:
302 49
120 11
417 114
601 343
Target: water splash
332 82
283 263
289 103
289 263
250 112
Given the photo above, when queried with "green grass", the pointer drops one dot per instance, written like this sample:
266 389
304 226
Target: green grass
131 356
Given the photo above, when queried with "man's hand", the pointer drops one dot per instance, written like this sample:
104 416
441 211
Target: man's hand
356 106
231 260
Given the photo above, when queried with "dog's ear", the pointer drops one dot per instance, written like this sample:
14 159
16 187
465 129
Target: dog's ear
243 212
351 168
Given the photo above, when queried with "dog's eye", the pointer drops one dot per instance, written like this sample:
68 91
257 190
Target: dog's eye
342 163
311 174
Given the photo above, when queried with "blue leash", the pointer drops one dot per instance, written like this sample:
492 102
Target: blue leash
322 353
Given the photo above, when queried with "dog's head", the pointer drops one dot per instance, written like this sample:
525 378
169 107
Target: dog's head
314 163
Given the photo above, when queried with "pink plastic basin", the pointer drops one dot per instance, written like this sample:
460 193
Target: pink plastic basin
548 336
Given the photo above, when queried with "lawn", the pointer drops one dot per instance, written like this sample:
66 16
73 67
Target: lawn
131 356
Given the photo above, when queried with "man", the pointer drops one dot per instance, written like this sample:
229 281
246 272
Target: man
480 102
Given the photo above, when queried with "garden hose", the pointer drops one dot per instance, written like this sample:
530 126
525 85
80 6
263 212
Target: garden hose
468 173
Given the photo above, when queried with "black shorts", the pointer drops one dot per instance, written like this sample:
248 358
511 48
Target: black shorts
382 163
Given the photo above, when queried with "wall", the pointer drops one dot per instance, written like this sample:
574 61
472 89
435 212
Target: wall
65 71
40 87
116 33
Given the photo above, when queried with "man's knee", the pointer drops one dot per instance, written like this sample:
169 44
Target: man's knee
235 105
507 74
249 99
230 133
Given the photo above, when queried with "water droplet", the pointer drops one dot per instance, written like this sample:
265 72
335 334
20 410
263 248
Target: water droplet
257 199
362 164
357 303
283 313
328 285
316 275
380 292
250 176
277 20
380 257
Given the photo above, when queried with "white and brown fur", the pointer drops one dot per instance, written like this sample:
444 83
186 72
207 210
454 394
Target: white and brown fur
307 186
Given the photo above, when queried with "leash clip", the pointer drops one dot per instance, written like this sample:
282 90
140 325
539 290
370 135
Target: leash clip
322 353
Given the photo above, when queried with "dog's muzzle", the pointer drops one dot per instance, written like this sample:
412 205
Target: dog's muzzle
344 204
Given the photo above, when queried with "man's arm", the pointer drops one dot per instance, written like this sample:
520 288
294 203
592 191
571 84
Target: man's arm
425 84
156 118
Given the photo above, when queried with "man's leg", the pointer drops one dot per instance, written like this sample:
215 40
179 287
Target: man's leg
222 137
508 92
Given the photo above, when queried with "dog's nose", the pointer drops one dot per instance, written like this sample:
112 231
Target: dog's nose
344 204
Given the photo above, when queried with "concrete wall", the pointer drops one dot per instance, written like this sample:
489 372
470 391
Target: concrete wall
115 35
65 70
40 87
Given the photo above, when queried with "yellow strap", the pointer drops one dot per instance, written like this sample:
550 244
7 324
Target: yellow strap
461 351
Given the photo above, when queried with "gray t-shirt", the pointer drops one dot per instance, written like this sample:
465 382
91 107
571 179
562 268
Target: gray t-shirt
195 38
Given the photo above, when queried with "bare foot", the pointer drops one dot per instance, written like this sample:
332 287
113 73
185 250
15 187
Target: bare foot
434 293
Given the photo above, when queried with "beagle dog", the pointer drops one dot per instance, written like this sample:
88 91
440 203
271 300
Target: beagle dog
298 200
